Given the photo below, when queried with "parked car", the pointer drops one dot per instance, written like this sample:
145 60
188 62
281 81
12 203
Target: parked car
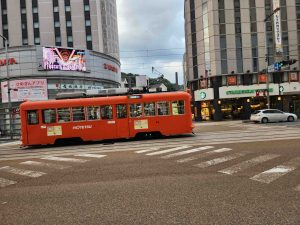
272 115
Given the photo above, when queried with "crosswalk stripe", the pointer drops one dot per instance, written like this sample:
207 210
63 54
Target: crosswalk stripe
54 158
28 173
88 155
219 160
43 164
169 150
187 152
203 155
297 188
270 175
5 182
148 150
247 164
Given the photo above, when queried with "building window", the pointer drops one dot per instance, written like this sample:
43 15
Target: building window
23 11
87 23
70 39
55 9
89 38
86 7
25 41
56 24
4 12
36 25
68 8
57 39
35 10
37 40
69 23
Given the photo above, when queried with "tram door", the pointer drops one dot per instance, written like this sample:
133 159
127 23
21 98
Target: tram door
122 121
33 126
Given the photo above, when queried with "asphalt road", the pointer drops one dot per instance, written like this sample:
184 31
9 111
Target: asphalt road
235 177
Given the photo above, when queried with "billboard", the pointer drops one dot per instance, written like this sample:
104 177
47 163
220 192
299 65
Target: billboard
64 59
277 27
31 89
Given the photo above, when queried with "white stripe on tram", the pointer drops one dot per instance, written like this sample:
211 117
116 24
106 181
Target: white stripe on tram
147 150
169 150
204 154
247 164
5 182
219 160
61 159
187 152
43 164
270 175
88 155
28 173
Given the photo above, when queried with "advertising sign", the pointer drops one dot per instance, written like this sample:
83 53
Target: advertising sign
231 80
277 28
204 94
33 89
64 59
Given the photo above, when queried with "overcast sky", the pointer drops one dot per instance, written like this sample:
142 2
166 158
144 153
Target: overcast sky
151 34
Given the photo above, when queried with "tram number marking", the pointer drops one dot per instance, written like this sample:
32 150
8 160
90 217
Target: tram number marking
140 124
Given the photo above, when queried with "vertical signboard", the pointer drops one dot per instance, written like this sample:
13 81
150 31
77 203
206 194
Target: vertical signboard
277 28
31 89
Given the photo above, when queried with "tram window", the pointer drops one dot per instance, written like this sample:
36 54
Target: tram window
163 108
78 114
178 107
121 111
106 112
49 116
135 110
93 113
149 109
63 115
32 117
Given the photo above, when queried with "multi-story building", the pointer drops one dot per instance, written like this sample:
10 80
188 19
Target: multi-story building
56 46
229 44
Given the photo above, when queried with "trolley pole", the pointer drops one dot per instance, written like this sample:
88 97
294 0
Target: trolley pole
8 87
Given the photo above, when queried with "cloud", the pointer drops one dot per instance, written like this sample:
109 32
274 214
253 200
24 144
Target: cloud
151 33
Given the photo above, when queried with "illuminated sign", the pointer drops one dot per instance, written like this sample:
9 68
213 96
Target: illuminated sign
110 67
63 59
231 80
11 61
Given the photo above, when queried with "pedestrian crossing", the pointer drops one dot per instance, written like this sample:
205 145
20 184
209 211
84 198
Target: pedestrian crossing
198 156
43 163
209 156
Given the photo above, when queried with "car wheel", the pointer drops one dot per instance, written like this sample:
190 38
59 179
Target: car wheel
264 120
291 118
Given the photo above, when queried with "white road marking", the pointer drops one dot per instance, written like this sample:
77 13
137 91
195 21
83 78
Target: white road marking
297 188
247 164
88 155
43 164
270 175
5 182
204 154
169 150
28 173
219 160
61 159
187 152
147 150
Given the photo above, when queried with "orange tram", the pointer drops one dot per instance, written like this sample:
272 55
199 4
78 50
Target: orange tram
100 118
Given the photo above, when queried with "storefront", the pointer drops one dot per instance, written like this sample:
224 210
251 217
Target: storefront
203 107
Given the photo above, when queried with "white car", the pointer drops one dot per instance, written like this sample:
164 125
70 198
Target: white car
272 115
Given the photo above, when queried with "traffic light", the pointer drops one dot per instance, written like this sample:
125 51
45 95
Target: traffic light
279 65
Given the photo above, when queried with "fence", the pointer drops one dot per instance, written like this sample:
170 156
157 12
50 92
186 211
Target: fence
5 131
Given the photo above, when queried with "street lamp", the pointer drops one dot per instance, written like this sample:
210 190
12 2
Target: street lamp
8 87
267 56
